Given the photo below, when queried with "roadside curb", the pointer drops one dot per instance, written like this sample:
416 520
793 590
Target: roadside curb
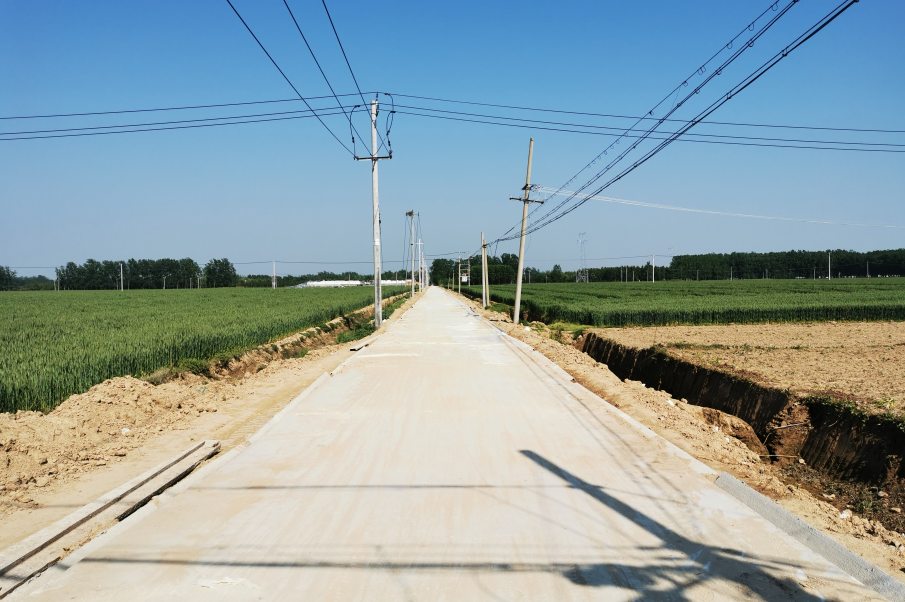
849 562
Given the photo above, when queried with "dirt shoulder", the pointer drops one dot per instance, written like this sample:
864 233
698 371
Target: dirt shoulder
717 439
860 361
91 443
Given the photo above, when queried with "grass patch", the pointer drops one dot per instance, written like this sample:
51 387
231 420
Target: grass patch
359 332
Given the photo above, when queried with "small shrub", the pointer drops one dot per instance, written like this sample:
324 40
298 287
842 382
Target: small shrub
193 365
158 377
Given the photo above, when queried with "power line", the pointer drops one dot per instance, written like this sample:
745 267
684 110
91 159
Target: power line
840 144
178 127
676 105
352 73
652 137
156 123
619 129
181 108
302 98
316 62
723 213
747 81
646 118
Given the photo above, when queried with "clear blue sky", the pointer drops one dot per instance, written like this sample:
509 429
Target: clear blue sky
286 190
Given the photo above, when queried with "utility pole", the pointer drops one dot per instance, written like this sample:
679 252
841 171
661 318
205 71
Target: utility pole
582 275
829 263
485 283
459 278
653 265
378 292
521 245
120 276
420 266
273 278
423 268
411 214
868 269
469 270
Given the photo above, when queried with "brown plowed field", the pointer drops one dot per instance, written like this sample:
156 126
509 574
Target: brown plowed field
862 361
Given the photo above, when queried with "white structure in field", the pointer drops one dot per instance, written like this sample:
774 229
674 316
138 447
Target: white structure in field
336 283
333 283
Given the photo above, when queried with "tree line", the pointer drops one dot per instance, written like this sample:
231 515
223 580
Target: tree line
145 274
839 263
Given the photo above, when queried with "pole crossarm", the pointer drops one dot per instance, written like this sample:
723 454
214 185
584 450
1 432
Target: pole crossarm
357 158
518 198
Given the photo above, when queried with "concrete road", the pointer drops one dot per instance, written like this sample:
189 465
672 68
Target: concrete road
450 462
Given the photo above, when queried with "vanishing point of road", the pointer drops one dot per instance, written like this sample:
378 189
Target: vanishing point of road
448 461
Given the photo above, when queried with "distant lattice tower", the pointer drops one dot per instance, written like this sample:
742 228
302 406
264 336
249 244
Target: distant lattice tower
582 274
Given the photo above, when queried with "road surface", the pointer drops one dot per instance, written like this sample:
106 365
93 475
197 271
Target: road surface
448 461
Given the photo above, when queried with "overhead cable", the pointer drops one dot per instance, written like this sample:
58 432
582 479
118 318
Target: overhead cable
161 129
722 213
675 107
302 98
528 125
319 68
349 65
647 118
747 81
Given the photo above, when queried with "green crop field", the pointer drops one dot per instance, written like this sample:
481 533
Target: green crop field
54 344
707 302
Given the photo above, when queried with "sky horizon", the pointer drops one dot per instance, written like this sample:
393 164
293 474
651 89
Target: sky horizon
287 190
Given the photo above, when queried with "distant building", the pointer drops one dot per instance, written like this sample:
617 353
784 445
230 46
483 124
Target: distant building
331 283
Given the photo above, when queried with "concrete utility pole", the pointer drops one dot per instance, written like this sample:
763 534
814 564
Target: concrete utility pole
521 245
485 282
868 269
120 276
653 265
411 214
459 278
273 278
420 267
829 263
424 275
378 292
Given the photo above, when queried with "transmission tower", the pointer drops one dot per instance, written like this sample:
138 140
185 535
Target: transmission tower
582 274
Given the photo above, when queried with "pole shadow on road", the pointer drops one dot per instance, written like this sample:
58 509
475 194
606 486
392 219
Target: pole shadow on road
704 563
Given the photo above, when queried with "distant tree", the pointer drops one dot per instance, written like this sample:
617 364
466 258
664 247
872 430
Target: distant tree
219 273
510 259
6 278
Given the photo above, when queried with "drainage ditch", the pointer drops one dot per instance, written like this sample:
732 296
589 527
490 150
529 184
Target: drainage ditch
852 452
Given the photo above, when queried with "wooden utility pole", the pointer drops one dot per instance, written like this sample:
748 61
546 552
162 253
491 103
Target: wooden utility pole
375 200
521 245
